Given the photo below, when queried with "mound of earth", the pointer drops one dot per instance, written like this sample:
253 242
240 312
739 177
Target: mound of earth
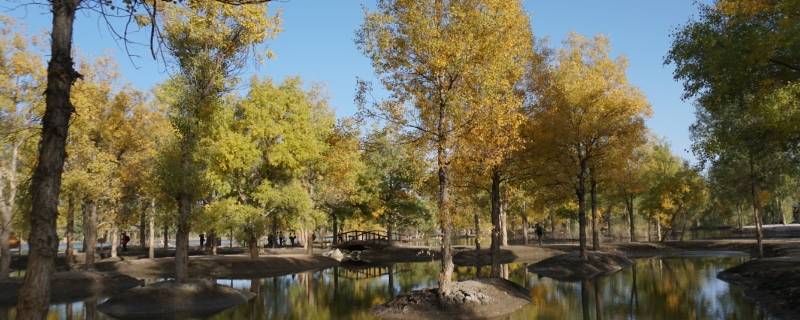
774 282
170 299
482 257
73 285
482 298
221 266
571 267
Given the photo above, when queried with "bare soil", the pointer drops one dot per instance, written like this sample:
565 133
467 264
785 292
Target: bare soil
571 267
172 299
73 285
239 266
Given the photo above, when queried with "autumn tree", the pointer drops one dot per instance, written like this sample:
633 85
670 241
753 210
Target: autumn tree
46 180
258 153
739 60
587 109
21 82
676 193
210 42
430 55
394 171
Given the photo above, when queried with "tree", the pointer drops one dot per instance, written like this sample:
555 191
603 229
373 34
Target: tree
740 60
587 109
628 183
46 181
676 194
429 55
258 153
210 43
392 178
21 81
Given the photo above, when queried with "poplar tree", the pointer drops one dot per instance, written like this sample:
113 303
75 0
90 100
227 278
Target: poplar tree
586 110
430 55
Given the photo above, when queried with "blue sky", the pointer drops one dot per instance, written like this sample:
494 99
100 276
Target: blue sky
317 45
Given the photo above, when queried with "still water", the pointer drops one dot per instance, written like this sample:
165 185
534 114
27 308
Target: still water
657 288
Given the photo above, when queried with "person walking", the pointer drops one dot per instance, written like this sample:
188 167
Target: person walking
125 240
539 230
202 240
292 236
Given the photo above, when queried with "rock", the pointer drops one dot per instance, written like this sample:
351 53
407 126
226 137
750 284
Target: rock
196 298
482 298
334 254
571 267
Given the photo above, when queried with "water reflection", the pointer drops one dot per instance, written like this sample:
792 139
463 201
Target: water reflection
669 288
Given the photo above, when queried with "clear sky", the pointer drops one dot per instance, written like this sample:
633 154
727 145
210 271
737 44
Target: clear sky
317 44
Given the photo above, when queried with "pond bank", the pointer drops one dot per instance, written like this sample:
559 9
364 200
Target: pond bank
773 282
234 266
73 285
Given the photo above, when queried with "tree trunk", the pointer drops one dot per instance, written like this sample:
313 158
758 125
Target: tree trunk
252 245
89 233
143 228
756 209
631 218
593 196
34 296
151 219
335 223
182 239
503 223
658 230
7 202
580 193
69 251
477 218
389 233
310 243
114 240
739 216
445 222
496 221
166 236
214 244
524 229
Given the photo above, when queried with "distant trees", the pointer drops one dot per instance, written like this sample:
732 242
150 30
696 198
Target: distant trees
394 172
587 113
741 61
258 154
21 82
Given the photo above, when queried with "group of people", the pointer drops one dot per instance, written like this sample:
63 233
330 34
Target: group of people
280 240
204 243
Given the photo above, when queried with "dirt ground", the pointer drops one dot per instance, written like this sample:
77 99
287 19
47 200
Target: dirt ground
73 285
230 266
170 299
472 299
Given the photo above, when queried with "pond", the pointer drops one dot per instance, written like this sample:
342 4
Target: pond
655 288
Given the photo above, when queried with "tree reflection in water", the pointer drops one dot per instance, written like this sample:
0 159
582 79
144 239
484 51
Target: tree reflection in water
668 288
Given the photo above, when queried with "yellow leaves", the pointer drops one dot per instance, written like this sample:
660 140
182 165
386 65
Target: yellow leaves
743 7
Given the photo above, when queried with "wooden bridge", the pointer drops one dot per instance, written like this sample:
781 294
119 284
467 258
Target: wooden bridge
361 238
